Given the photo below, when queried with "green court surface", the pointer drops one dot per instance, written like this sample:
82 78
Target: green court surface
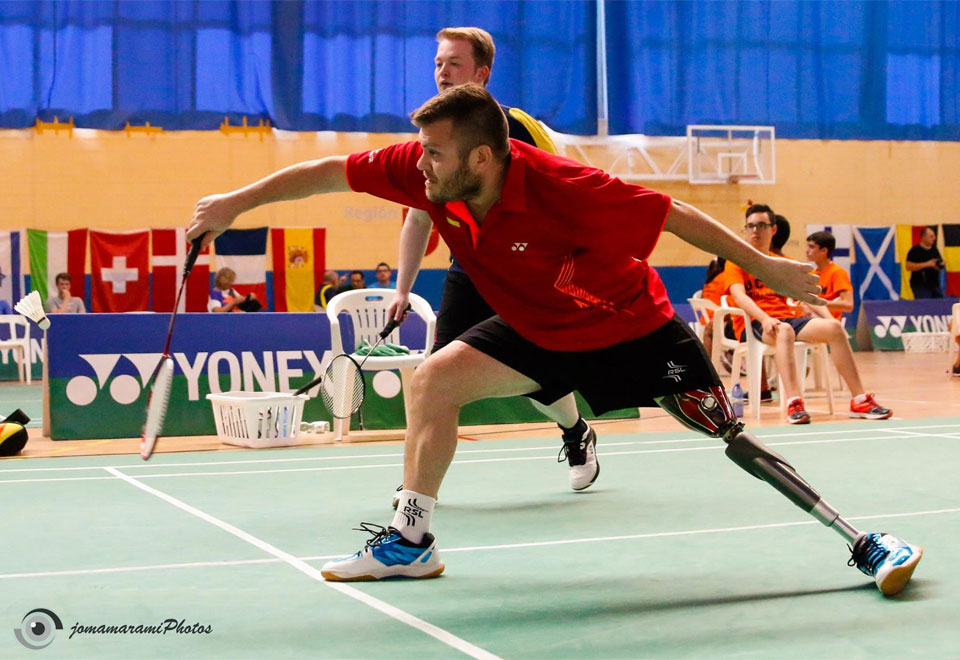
673 553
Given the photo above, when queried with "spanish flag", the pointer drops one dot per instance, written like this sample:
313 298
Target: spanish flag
299 255
907 237
951 258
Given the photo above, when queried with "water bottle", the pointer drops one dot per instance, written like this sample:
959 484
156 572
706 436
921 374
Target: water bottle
737 396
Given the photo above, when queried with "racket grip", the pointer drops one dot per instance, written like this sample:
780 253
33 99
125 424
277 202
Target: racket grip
192 255
392 325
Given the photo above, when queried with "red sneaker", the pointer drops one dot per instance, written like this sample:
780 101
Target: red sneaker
796 413
869 409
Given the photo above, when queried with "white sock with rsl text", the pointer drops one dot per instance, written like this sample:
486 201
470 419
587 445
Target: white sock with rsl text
412 519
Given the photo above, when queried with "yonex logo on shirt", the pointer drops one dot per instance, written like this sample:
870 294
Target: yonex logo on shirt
372 155
519 247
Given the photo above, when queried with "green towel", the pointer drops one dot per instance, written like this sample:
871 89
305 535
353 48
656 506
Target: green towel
383 350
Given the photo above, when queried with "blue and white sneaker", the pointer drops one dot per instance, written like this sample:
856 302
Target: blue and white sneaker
885 558
387 554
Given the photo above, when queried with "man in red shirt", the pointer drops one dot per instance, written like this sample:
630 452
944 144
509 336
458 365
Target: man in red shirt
559 251
779 324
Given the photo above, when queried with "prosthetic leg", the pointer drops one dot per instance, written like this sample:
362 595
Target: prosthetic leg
709 411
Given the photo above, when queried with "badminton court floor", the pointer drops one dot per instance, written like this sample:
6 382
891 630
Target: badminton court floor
674 553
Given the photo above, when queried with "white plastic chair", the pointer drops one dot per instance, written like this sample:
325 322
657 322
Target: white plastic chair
700 307
368 311
954 333
754 351
18 343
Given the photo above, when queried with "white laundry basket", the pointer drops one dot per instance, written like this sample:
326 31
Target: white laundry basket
926 342
257 419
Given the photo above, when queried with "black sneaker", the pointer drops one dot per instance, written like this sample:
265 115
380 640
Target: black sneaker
956 371
581 455
766 396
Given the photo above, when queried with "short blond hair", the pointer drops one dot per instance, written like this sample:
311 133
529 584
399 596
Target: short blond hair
479 39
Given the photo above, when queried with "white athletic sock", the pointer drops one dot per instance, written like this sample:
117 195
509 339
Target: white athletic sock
792 399
860 398
412 519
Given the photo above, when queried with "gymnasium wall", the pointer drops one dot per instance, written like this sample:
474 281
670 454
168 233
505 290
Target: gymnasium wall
109 180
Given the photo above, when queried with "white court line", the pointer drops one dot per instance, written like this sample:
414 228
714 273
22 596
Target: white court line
914 434
232 473
506 450
531 544
436 632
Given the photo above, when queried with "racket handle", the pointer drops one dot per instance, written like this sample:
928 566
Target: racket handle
303 390
392 324
192 255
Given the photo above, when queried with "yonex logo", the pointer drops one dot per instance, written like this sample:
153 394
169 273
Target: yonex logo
889 325
373 154
519 247
674 371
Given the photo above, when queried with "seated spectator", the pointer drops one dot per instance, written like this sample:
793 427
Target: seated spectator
63 302
782 236
713 288
384 277
328 289
224 298
778 324
835 284
5 307
357 281
925 263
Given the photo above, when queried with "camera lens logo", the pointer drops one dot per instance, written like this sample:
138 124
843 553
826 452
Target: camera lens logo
38 628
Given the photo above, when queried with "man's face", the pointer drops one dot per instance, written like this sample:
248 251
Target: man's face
383 274
448 177
63 287
927 238
454 65
815 253
759 231
356 281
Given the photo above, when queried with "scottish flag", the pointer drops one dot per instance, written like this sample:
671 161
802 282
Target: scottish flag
875 274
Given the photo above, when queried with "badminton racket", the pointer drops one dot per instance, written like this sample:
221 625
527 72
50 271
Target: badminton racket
342 387
159 386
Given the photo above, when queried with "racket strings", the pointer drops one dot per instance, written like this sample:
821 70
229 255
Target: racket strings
342 389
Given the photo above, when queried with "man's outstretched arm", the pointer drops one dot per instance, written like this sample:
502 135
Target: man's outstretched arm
215 213
793 279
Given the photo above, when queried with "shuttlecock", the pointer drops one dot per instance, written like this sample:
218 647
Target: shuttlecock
31 307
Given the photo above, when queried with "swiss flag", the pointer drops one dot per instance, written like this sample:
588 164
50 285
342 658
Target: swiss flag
119 270
168 252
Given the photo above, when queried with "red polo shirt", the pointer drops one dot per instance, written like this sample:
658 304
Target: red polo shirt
561 257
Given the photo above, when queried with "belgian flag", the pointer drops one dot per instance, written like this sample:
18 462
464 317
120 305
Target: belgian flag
951 258
907 237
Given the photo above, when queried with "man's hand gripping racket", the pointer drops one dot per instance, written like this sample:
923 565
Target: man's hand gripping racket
159 386
342 387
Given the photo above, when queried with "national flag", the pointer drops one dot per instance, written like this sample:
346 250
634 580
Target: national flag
119 271
951 258
245 252
11 273
844 237
299 255
907 237
52 253
168 251
875 267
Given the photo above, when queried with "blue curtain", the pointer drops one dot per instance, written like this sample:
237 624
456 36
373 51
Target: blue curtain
813 69
335 65
844 69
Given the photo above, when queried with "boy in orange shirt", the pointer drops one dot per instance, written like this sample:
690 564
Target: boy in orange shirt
779 324
835 286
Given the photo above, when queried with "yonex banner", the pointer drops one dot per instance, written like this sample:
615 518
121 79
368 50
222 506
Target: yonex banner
886 321
100 364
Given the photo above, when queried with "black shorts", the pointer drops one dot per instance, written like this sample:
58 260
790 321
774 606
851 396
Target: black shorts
627 375
796 324
461 308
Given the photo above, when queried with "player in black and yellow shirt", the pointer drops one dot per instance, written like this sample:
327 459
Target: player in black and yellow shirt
466 55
